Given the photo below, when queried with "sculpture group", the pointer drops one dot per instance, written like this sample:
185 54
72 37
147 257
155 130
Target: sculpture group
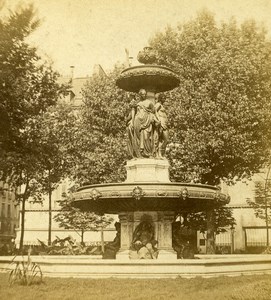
147 127
144 245
147 202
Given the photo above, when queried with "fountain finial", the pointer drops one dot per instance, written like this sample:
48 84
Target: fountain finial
147 56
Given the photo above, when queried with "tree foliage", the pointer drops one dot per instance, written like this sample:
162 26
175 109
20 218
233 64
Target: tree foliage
100 138
262 201
70 217
262 198
29 88
222 219
49 135
220 115
28 85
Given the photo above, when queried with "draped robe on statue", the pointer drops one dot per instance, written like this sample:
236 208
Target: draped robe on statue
144 123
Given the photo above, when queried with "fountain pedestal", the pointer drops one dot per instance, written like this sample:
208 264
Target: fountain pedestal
162 221
147 170
148 192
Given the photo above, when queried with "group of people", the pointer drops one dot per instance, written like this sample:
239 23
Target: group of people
147 127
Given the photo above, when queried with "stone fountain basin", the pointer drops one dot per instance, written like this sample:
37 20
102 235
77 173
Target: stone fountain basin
91 267
116 197
149 77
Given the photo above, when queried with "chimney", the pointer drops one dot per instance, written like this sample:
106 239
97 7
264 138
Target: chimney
72 70
128 60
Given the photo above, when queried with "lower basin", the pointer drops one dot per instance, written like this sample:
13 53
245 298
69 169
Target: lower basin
205 266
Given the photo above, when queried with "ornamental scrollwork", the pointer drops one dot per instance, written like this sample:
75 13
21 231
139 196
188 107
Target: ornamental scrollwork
161 193
115 194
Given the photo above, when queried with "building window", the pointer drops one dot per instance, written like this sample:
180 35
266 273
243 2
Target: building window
202 242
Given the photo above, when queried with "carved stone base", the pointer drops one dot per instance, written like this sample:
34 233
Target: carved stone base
147 170
162 222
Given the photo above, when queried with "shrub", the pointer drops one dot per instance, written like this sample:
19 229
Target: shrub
25 272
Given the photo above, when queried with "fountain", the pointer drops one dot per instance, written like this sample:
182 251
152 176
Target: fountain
147 202
146 245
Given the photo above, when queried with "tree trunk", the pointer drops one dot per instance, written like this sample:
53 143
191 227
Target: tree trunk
266 192
22 223
210 243
24 198
102 238
267 224
82 236
50 213
232 240
50 220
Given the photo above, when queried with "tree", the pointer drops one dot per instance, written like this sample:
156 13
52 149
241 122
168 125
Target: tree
212 223
223 218
28 88
220 115
100 140
26 185
262 202
70 217
49 134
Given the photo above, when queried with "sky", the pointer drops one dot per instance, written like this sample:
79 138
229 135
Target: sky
82 33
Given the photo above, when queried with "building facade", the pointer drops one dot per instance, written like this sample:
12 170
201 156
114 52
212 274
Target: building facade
9 214
250 233
37 222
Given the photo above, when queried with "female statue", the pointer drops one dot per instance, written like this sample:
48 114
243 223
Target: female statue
141 126
132 147
161 138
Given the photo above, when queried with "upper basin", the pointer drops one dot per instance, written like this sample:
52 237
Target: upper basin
149 77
